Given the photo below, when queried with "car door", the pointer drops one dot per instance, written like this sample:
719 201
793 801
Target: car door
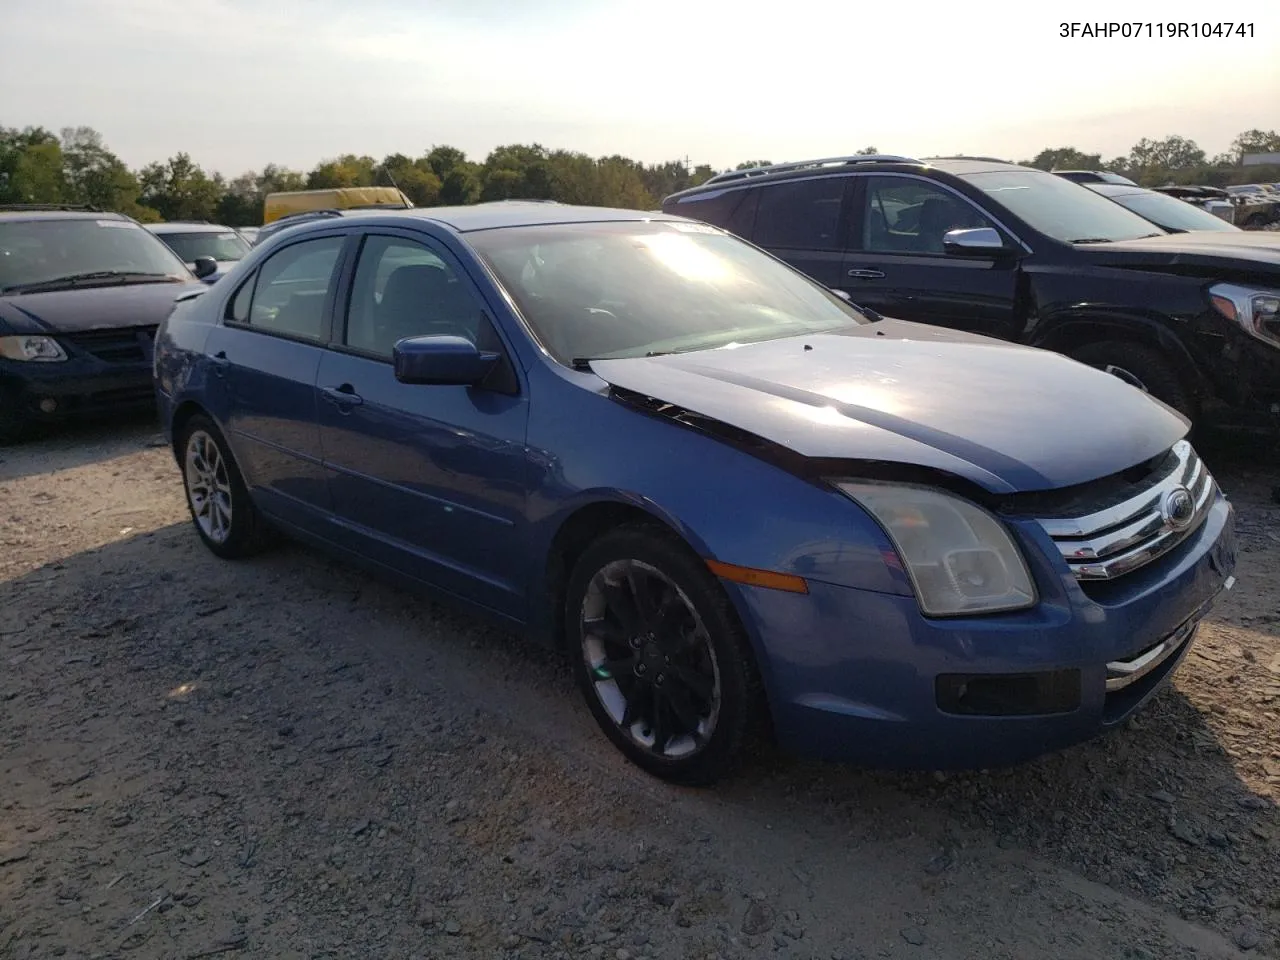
267 351
896 263
803 222
426 479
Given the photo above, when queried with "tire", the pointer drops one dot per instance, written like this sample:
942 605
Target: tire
689 658
1143 367
1256 222
228 522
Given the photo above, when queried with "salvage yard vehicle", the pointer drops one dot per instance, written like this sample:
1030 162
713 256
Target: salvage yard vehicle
81 294
739 502
286 202
1166 212
1028 256
192 240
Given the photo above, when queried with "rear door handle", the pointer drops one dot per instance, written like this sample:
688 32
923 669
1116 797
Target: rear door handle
867 274
220 363
343 397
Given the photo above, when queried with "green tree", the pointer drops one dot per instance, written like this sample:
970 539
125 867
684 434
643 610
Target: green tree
1255 141
415 177
31 166
1154 161
179 190
459 177
1065 158
748 164
94 175
867 152
516 172
347 170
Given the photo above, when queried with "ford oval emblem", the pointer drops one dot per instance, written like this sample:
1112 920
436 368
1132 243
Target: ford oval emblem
1179 508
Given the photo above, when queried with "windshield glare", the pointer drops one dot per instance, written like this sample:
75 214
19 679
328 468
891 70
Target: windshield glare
32 251
627 289
1061 209
219 244
1172 213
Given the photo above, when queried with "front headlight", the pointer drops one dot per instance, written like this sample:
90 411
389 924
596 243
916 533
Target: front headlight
960 558
1255 309
31 348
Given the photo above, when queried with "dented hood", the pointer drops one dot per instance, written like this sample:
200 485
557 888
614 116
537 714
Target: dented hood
1006 417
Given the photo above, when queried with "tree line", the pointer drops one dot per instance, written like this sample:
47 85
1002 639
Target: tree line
76 167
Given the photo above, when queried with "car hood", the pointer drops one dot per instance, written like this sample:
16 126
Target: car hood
91 308
1005 417
1256 253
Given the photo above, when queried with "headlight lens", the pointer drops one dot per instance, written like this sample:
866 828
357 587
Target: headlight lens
31 348
1255 309
960 558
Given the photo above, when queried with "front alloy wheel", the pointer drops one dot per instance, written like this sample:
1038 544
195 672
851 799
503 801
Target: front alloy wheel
652 665
661 657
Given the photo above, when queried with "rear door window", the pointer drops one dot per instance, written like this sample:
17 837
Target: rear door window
801 214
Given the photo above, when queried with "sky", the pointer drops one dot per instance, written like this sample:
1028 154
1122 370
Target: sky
242 83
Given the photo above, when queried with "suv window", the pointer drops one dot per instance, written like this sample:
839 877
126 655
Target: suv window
222 245
902 215
800 214
43 251
291 288
402 289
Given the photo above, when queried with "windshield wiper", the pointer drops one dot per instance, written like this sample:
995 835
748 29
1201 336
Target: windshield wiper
1092 240
584 363
76 279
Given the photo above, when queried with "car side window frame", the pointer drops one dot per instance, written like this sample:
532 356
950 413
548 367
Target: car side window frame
506 377
859 199
327 308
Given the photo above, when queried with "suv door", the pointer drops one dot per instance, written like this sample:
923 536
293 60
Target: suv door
428 480
267 351
803 222
896 263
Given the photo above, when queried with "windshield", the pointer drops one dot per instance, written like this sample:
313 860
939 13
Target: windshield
629 289
1061 209
1171 213
219 244
35 251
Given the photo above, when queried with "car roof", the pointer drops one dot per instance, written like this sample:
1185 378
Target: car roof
180 226
499 213
12 215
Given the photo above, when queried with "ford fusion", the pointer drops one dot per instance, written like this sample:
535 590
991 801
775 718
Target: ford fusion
741 505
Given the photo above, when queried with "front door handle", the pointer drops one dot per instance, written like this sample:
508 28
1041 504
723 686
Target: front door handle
343 397
860 274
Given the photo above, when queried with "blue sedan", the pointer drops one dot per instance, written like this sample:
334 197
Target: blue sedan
741 504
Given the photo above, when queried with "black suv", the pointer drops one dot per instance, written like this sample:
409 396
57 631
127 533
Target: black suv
81 295
1020 254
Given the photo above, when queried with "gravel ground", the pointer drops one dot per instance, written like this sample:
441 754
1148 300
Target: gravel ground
285 758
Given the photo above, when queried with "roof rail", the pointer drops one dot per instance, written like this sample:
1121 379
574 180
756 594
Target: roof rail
773 168
83 207
961 156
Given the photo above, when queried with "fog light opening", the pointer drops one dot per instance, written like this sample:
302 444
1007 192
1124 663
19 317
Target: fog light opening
48 405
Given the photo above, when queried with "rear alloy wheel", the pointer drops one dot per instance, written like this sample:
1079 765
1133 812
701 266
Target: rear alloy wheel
223 514
660 656
1142 367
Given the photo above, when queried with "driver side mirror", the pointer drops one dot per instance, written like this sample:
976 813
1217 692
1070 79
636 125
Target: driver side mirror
204 267
441 361
974 241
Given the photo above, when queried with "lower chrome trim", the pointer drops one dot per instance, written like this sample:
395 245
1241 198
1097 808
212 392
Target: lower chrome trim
1123 673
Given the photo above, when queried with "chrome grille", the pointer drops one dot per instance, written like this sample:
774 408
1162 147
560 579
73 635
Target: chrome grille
1126 535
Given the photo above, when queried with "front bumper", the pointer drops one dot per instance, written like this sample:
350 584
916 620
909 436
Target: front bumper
863 677
75 388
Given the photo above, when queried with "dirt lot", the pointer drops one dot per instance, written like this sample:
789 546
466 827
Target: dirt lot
285 758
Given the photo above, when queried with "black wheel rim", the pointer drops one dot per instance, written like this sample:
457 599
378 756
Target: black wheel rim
650 659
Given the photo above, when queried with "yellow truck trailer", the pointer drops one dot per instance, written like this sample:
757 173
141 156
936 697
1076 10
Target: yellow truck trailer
277 205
